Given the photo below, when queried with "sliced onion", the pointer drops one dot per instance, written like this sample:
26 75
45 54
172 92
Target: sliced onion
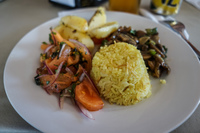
61 99
92 83
56 75
84 110
80 44
81 77
66 93
69 71
48 48
42 76
61 50
48 69
48 90
59 69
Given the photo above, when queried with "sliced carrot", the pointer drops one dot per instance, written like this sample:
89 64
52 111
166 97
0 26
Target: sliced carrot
44 46
56 85
53 65
56 37
73 60
87 96
86 55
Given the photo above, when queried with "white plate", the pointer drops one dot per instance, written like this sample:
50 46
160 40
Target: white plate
168 107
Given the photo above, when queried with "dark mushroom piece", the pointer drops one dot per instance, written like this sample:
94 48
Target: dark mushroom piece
163 63
144 47
167 68
157 50
160 47
140 33
159 59
157 70
155 38
146 56
126 38
151 65
144 39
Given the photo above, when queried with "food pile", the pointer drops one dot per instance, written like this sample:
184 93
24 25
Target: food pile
64 68
86 32
118 69
120 74
66 62
148 42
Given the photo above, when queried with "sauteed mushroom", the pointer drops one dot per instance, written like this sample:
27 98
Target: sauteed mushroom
148 42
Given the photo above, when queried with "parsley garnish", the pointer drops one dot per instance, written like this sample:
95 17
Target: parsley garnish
133 32
44 43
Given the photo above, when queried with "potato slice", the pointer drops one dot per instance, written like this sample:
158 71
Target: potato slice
104 30
70 33
60 29
75 22
98 19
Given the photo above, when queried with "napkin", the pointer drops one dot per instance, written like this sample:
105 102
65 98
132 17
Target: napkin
195 3
159 18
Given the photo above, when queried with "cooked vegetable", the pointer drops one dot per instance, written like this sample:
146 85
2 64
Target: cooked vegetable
77 28
60 29
69 33
87 96
151 31
98 19
104 30
84 110
63 70
148 43
75 22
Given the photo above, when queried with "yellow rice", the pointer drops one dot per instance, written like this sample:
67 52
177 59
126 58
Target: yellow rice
120 74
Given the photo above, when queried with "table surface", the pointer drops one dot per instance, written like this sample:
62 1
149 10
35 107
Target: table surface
17 17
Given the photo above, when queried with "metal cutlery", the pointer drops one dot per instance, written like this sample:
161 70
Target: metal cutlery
179 28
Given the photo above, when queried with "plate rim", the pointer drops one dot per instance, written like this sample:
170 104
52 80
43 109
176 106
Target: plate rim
4 73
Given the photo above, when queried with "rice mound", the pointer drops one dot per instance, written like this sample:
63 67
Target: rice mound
120 74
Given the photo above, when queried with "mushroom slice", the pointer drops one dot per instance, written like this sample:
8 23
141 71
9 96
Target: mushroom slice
151 64
158 45
159 59
157 70
157 50
155 38
146 56
126 38
144 39
140 33
166 68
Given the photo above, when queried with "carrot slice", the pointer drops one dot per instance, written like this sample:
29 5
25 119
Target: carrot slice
53 65
87 96
44 46
57 38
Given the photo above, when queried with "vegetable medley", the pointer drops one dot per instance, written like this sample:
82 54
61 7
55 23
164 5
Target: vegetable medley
64 68
66 62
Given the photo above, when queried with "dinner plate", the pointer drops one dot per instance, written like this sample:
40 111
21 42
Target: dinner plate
169 105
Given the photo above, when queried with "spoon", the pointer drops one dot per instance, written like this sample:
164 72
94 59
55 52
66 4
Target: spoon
179 28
